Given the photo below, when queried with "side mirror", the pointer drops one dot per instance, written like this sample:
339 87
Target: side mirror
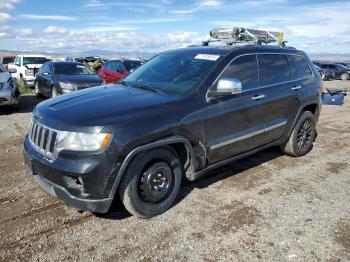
229 86
12 70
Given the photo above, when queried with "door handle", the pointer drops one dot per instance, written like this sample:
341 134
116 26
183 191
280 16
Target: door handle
257 97
296 87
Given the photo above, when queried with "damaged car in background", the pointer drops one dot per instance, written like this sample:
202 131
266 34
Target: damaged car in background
9 93
58 78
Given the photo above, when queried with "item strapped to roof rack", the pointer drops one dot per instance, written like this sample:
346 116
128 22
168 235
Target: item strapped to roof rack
241 35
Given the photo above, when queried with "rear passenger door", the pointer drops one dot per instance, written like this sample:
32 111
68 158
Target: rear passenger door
302 81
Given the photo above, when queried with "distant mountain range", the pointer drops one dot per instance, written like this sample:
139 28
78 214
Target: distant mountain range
146 55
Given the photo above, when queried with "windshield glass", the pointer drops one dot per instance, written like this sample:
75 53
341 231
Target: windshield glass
175 74
72 69
34 60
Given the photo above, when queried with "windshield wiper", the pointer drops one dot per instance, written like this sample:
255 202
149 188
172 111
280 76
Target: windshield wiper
146 87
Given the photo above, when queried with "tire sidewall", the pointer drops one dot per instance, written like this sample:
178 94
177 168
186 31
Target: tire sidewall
130 192
344 76
306 115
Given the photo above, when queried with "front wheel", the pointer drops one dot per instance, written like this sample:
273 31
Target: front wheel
301 140
151 183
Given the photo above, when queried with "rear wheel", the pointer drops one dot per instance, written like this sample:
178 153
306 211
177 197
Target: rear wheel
151 183
301 140
344 76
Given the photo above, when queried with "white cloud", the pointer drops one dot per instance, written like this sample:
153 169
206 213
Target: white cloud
8 5
55 30
47 17
199 6
4 17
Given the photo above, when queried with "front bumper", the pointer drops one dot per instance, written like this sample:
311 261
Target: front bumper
8 96
80 183
29 81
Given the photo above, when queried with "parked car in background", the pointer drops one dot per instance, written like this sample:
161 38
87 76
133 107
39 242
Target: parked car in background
325 73
58 78
347 65
113 71
132 64
340 71
9 93
25 67
5 60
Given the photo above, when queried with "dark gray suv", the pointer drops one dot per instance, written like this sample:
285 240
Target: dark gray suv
183 113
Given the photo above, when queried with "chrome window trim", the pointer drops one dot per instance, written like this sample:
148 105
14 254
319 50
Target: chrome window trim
257 61
234 140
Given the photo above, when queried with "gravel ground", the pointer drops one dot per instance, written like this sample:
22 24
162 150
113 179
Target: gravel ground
267 207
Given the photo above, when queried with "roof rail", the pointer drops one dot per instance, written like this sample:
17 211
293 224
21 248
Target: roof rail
236 35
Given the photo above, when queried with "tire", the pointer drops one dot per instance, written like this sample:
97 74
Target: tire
303 135
53 91
37 91
140 189
344 76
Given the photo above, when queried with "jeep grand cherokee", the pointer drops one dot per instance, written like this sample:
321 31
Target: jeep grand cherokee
182 114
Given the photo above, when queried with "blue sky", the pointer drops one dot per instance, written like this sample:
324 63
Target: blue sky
151 26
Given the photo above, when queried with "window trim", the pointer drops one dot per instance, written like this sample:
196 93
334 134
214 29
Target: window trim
263 86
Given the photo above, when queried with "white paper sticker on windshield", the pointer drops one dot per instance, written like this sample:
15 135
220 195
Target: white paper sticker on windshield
207 57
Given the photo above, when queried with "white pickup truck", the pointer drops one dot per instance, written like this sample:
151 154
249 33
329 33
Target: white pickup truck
25 67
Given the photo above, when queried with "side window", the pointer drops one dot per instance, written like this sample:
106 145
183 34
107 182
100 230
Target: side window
299 67
115 66
17 61
273 69
245 69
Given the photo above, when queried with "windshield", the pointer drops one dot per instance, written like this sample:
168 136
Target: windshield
72 69
34 60
175 74
341 66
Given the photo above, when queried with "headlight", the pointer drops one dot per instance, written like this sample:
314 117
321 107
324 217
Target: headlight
29 72
82 141
67 86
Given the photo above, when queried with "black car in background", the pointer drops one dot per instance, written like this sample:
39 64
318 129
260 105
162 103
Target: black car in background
340 71
324 73
58 78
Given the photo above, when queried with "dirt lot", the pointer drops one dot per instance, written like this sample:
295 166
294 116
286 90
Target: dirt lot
266 207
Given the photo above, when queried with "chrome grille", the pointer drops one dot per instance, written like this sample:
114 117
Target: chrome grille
43 138
3 100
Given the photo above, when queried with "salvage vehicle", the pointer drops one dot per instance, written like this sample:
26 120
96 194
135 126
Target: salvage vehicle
182 114
9 93
324 73
7 59
113 71
340 71
58 78
26 67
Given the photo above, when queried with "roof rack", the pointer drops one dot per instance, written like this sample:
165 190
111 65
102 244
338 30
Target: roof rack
237 35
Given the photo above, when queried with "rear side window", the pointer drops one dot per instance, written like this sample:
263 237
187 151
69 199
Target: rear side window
298 66
273 69
245 69
115 66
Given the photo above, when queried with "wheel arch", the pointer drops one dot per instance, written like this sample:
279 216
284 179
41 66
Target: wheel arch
181 145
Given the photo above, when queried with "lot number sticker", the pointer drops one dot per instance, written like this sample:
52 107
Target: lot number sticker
207 57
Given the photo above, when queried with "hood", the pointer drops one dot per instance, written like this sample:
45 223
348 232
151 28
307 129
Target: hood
80 80
98 106
4 77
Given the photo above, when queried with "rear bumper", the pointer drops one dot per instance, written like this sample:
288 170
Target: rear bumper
80 184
